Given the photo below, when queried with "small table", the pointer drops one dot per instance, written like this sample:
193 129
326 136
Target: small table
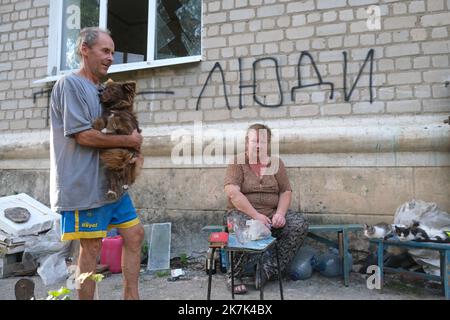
342 243
251 247
443 248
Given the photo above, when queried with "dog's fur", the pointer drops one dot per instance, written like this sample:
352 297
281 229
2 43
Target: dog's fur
118 118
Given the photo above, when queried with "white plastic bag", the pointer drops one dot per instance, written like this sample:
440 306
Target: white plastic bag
49 252
428 214
53 269
257 230
46 243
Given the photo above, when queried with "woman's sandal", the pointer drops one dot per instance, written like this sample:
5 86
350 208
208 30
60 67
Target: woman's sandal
239 287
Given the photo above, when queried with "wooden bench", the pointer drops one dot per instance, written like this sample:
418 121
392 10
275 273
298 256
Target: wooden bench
342 243
443 248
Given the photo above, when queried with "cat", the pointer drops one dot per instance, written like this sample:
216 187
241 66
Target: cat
121 164
405 233
378 231
420 232
425 233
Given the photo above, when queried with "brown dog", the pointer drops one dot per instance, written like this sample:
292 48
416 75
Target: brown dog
118 117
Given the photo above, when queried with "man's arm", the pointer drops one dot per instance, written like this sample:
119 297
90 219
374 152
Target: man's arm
96 139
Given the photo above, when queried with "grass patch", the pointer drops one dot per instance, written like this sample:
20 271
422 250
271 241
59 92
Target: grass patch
162 273
184 259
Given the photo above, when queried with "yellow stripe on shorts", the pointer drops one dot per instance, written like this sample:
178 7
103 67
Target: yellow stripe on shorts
125 225
83 235
77 221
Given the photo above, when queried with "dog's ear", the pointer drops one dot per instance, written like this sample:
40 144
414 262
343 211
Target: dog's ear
130 87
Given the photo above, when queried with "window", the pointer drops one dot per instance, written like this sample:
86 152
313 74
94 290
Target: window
76 15
146 33
178 29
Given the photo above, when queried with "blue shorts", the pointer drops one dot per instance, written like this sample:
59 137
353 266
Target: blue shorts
95 223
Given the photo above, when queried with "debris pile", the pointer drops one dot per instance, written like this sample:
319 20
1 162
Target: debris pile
23 222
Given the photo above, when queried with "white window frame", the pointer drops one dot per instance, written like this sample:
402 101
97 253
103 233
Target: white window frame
54 43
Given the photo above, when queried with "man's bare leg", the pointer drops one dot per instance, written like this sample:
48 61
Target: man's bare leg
87 262
131 260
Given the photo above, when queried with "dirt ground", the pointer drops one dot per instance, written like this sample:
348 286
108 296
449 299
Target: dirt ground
194 287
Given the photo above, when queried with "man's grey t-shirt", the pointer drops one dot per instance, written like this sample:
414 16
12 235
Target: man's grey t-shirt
77 179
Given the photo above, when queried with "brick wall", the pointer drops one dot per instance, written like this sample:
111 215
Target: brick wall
410 70
410 62
349 159
23 59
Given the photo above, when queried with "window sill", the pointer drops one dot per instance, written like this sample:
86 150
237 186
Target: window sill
130 67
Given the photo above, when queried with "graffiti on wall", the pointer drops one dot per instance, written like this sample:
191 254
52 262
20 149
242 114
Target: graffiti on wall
305 55
304 59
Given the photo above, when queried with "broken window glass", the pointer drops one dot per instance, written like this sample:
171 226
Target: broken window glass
77 14
177 24
178 28
128 23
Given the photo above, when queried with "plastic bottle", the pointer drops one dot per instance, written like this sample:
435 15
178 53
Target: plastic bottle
223 261
330 264
301 267
111 253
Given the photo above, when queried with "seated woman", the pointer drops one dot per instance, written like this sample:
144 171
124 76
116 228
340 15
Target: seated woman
254 192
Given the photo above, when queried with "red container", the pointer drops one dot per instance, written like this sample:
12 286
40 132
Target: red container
111 253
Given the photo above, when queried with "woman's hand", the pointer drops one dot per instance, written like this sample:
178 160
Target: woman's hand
264 219
278 220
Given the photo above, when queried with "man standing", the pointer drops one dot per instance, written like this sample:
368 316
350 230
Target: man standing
77 181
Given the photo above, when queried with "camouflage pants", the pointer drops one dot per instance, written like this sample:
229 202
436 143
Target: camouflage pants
289 240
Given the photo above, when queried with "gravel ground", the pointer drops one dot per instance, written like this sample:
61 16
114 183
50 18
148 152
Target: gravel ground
317 287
